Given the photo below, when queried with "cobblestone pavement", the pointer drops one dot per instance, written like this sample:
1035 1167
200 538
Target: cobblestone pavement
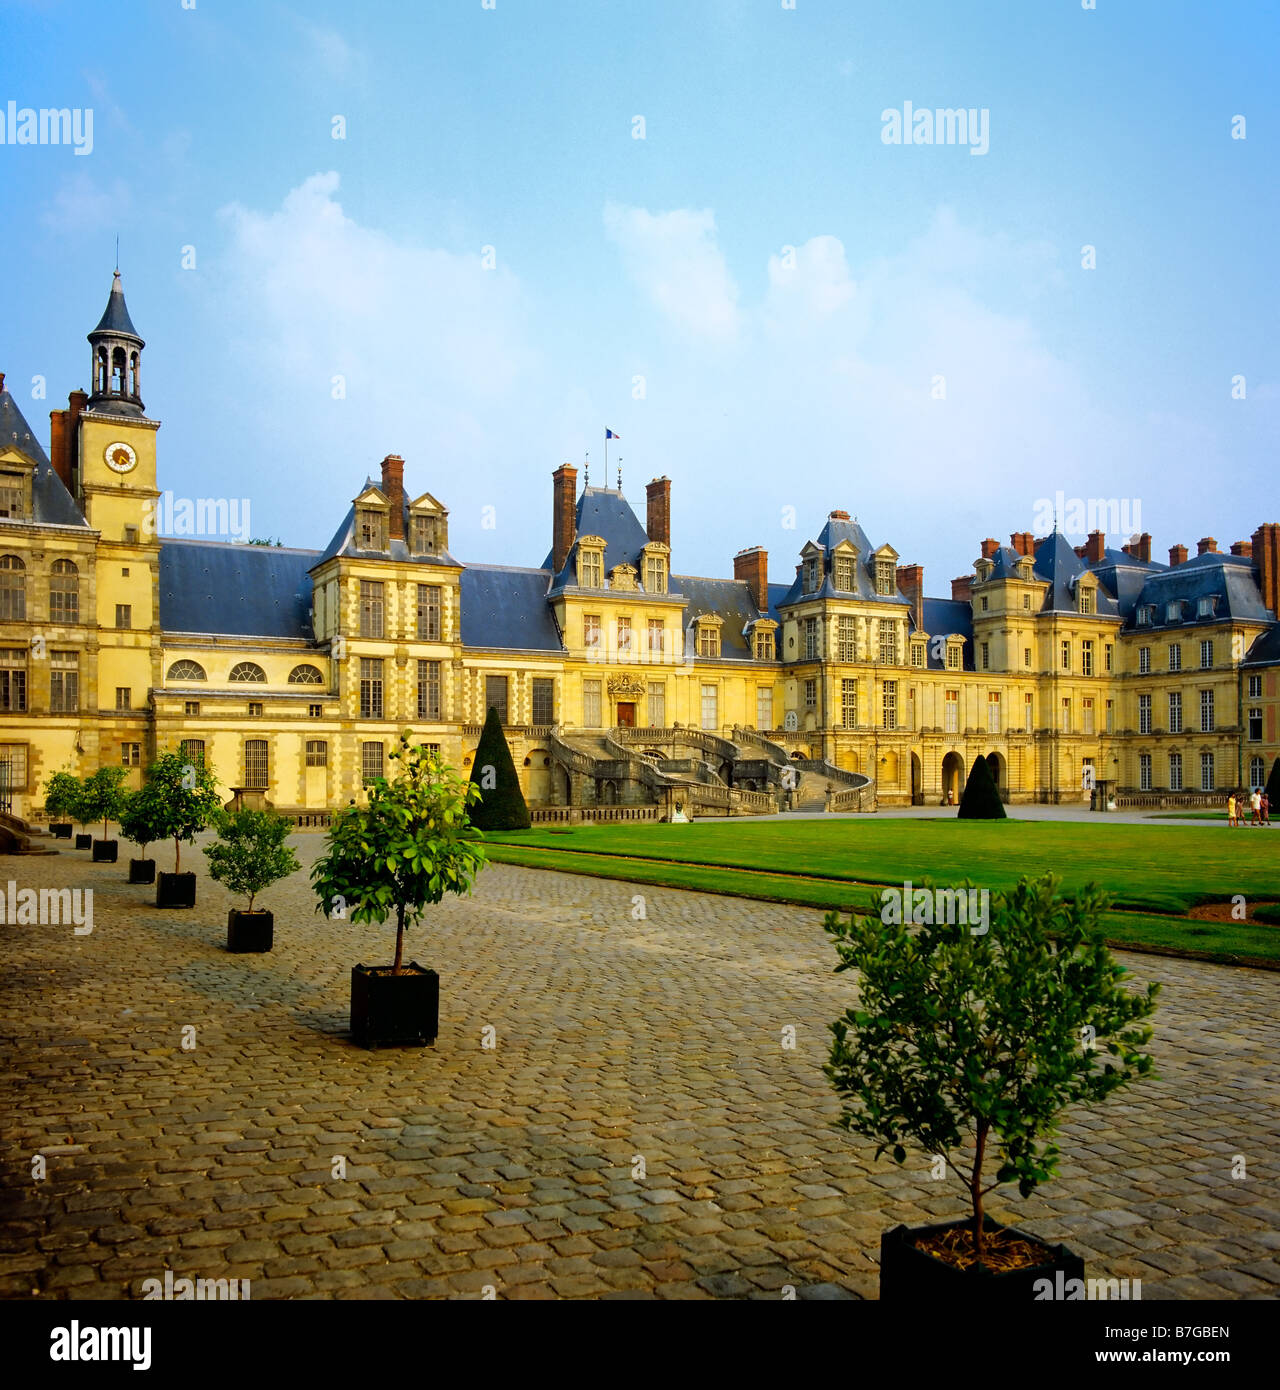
616 1035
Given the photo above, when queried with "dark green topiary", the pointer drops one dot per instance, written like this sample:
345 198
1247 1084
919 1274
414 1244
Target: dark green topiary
981 799
501 805
1273 787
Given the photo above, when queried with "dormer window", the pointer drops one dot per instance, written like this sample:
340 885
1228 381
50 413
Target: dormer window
11 496
763 642
590 564
1206 606
845 569
884 576
1087 600
813 574
954 650
708 635
425 535
983 569
1145 615
917 654
655 572
622 577
371 529
1173 611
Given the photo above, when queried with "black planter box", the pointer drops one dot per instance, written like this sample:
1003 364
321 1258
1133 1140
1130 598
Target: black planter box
394 1009
142 870
175 890
106 851
249 931
84 841
61 830
907 1272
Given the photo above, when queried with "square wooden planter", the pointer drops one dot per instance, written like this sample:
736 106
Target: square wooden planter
390 1010
908 1273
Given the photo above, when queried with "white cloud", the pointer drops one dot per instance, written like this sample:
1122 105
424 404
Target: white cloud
329 51
82 204
673 257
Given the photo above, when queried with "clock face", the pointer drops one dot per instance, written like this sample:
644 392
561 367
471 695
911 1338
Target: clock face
120 458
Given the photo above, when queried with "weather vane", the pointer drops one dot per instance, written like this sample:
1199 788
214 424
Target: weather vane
619 475
586 469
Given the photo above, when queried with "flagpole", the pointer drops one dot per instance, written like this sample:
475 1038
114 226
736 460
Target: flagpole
606 458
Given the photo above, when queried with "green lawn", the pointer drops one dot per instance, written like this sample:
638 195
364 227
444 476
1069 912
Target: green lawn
1149 869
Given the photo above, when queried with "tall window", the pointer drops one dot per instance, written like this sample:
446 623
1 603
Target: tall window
1064 716
592 712
951 712
889 704
1144 660
1175 711
1175 657
811 694
984 656
64 682
124 615
1066 655
1144 714
763 646
1175 772
884 577
14 756
1028 713
1206 772
192 750
846 640
993 711
1086 713
624 636
591 630
764 707
1255 687
1206 654
844 574
1257 772
710 710
1206 711
255 762
591 569
124 697
657 636
849 704
1111 716
657 704
372 530
812 574
426 534
1144 772
13 589
64 593
371 706
429 612
371 608
428 690
495 696
1107 656
13 679
1255 725
370 762
1086 658
708 640
317 753
811 639
544 700
11 496
888 643
655 574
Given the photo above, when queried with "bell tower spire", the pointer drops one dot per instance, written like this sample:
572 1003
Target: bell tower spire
116 359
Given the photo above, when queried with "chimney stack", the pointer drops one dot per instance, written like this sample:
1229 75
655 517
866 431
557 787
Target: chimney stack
1023 542
752 566
564 514
659 518
1096 548
1266 561
962 588
63 437
1244 548
1140 548
393 491
1080 551
989 547
1177 555
911 582
1207 546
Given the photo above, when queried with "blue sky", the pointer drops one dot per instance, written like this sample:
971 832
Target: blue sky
788 287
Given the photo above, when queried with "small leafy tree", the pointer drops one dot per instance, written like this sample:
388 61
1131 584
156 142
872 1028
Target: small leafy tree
104 796
981 798
250 853
405 850
501 805
186 799
960 1041
142 821
62 795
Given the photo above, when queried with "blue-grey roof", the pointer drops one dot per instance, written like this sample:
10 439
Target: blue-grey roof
51 503
115 317
834 532
1228 578
731 600
508 608
605 512
235 590
343 542
1059 564
1266 649
942 618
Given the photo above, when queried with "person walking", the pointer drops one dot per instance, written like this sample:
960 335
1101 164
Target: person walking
1266 809
1231 809
1255 807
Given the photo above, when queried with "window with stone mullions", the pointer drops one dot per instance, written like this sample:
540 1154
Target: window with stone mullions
371 608
429 612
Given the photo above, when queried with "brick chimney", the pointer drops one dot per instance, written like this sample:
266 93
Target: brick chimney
63 437
1177 555
989 547
962 588
752 565
564 514
911 582
1244 548
837 516
1207 546
393 490
1096 547
1081 551
1023 542
658 525
1266 561
1139 549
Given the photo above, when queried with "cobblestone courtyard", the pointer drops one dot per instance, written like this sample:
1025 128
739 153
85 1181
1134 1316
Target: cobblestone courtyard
615 1036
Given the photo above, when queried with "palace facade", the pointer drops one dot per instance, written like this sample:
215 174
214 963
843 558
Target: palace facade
628 689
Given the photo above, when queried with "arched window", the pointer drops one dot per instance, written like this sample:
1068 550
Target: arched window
64 592
247 671
305 675
117 372
186 671
13 589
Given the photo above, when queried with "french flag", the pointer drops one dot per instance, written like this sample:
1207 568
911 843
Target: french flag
609 434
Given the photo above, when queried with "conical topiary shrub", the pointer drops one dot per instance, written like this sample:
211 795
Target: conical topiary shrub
1273 786
981 799
501 805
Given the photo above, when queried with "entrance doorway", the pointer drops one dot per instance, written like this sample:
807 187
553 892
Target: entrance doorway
952 778
626 715
917 786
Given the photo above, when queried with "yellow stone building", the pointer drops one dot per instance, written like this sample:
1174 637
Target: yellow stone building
628 690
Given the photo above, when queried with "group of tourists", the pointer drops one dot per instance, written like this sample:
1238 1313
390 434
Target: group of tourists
1257 803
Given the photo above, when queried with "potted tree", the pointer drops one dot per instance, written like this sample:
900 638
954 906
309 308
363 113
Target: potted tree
186 799
105 798
405 850
249 855
141 822
966 1040
82 813
60 803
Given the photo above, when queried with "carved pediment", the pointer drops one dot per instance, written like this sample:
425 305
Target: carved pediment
625 686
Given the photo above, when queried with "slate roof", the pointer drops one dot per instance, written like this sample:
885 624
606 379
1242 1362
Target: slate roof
605 512
731 600
1229 578
115 317
51 503
1266 649
942 617
343 541
1059 564
233 590
836 530
507 608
